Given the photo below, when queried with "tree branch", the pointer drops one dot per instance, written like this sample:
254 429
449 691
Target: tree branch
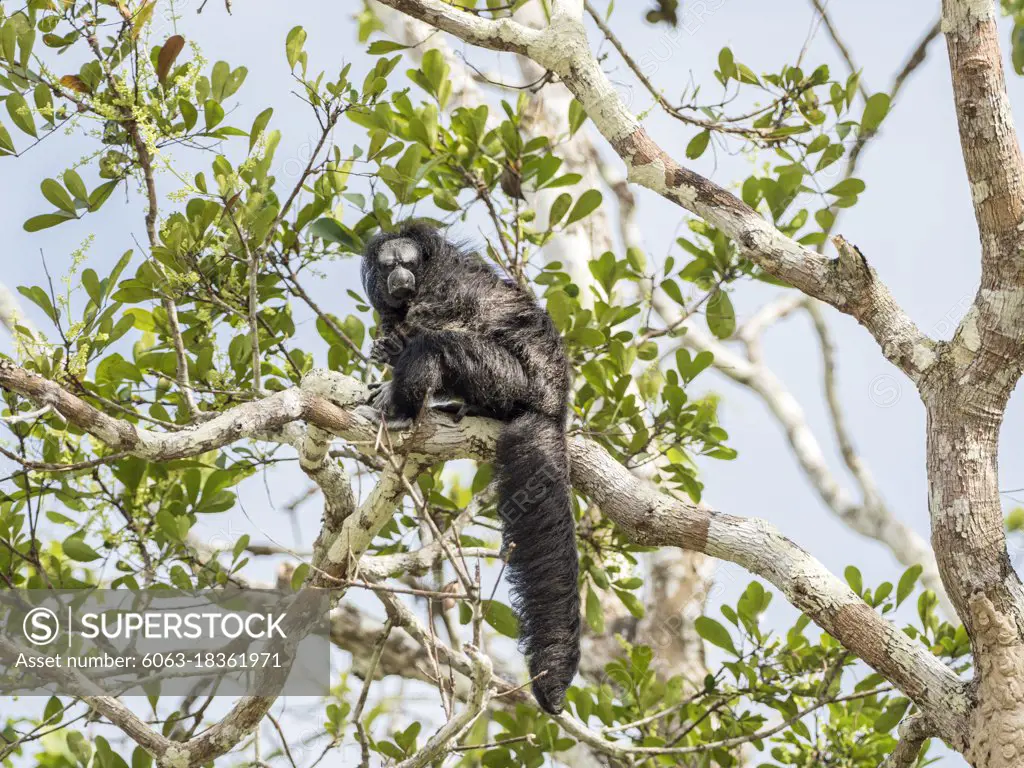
833 33
988 137
914 732
495 34
437 746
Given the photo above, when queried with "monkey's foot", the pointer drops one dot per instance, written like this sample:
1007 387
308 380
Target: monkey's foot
459 411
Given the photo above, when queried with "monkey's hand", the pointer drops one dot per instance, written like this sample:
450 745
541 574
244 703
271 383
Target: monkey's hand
387 348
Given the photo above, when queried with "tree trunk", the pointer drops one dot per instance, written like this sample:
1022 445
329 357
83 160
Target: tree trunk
969 541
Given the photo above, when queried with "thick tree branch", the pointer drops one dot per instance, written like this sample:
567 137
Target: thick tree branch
988 137
655 519
988 347
996 719
914 732
496 34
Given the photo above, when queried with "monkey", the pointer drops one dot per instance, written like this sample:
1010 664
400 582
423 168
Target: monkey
452 328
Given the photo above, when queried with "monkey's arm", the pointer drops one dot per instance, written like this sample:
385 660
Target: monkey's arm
470 367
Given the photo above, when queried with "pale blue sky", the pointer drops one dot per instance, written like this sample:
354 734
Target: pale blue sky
914 223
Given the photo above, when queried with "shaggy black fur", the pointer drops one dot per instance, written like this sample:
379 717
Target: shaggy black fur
452 328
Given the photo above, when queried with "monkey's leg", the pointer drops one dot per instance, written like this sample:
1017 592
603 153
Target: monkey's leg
486 376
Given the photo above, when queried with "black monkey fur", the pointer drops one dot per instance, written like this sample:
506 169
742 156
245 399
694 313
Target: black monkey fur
452 328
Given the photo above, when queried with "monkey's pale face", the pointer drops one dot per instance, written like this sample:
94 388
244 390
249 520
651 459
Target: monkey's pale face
398 261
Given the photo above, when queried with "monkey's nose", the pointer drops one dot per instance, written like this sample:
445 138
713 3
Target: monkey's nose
401 283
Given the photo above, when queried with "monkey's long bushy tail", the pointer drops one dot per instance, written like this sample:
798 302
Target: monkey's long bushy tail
535 505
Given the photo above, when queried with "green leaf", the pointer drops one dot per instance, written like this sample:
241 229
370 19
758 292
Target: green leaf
577 116
6 145
501 617
293 45
75 185
726 63
907 583
240 546
435 68
219 79
45 221
854 579
698 144
299 576
180 579
43 98
54 711
213 113
189 114
585 205
91 283
631 601
141 758
892 715
20 114
595 614
559 208
875 111
54 192
77 549
380 47
746 75
715 633
832 153
80 748
333 231
847 187
721 316
99 195
259 125
114 369
39 297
